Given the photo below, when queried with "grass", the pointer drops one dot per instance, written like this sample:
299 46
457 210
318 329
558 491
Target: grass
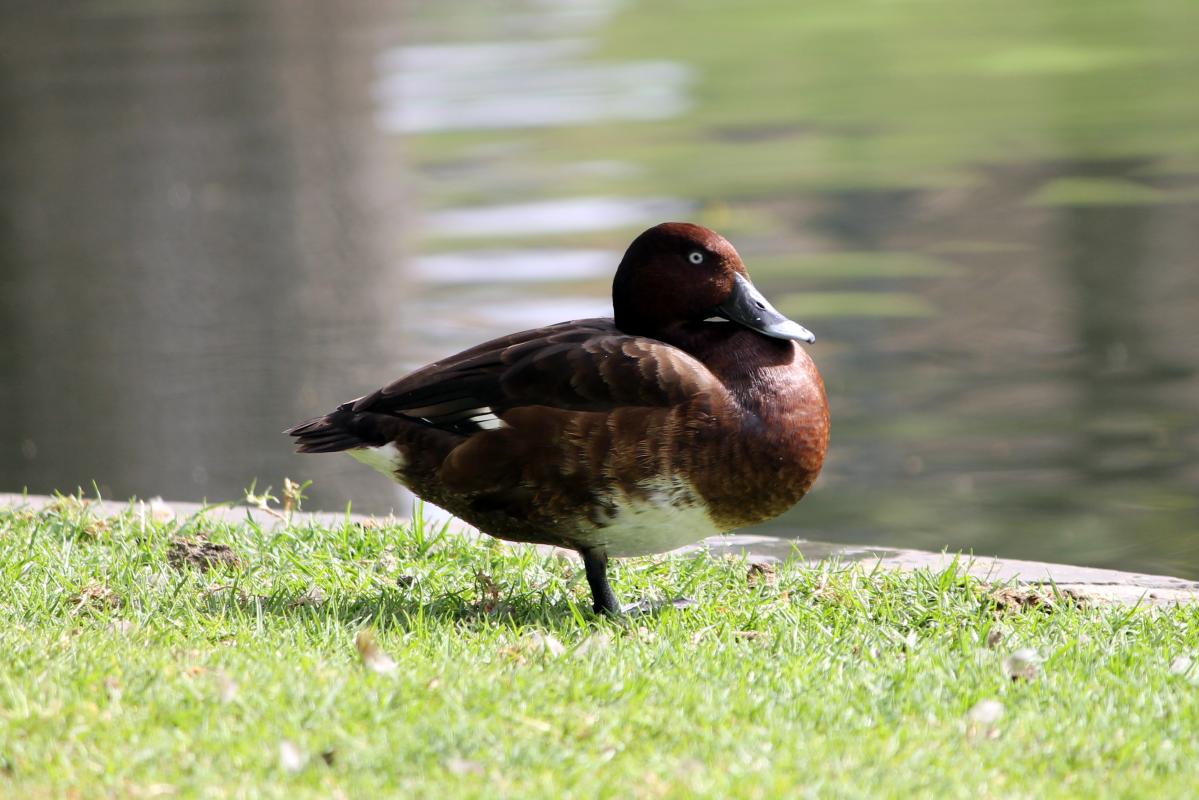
224 664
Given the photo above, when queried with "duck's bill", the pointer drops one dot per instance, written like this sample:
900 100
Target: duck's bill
746 306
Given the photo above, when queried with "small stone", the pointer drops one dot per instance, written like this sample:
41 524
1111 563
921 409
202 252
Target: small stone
291 759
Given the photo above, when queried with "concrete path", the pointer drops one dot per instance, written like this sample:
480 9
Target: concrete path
1086 583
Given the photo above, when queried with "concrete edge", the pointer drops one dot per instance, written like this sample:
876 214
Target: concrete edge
1086 583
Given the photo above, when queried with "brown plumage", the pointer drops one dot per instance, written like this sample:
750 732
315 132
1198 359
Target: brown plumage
611 436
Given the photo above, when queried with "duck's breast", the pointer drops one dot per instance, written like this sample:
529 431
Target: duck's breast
767 448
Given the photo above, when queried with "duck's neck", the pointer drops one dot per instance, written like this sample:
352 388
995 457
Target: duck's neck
747 363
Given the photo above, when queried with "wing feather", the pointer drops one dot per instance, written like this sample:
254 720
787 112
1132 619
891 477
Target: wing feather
586 365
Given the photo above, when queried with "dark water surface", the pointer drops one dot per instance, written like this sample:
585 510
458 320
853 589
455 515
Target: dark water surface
217 220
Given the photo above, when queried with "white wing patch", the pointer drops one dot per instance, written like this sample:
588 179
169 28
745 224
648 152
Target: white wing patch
485 418
386 459
455 418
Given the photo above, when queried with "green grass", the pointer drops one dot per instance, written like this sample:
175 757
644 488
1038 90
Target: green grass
126 675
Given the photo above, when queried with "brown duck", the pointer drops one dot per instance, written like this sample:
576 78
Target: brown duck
692 412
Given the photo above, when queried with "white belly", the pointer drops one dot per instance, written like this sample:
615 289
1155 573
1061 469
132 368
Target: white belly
662 517
669 517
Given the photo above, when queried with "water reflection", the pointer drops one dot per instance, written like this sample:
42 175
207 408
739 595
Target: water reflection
570 215
218 223
521 85
515 265
199 245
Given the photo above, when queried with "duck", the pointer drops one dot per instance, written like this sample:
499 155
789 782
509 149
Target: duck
693 411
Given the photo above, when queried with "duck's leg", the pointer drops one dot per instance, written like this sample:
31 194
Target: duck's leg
595 562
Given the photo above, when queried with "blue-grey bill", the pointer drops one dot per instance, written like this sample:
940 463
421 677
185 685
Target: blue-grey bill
746 306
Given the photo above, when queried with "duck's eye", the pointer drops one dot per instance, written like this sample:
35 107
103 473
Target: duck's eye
696 257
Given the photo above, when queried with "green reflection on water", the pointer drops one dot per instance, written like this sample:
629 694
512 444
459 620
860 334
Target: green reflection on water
919 177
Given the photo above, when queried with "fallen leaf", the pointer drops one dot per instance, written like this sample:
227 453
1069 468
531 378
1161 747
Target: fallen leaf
386 563
536 724
372 657
762 573
1024 664
539 642
216 588
985 712
93 528
156 510
96 597
227 688
152 790
491 593
983 717
995 637
462 766
595 643
315 596
701 634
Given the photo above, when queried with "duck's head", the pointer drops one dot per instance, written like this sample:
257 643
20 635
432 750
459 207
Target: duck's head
677 274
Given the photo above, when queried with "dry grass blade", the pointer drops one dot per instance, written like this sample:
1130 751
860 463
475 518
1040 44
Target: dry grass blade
96 597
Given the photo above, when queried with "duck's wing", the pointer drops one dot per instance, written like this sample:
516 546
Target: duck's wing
586 365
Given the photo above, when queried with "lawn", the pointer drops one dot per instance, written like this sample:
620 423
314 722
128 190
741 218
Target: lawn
182 657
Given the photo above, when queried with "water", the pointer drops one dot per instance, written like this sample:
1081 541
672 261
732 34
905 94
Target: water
215 222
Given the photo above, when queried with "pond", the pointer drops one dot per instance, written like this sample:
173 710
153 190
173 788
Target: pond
216 221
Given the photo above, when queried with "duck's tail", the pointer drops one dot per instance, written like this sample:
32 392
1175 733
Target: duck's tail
343 429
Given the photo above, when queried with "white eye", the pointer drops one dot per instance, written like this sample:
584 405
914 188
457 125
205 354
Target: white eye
696 257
